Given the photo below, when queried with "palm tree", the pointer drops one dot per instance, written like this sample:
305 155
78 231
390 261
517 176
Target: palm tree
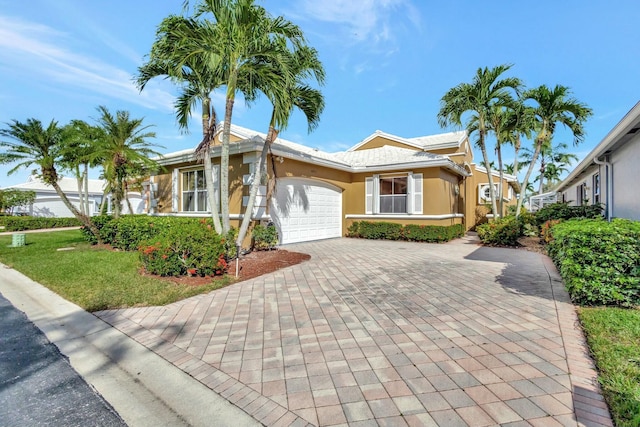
303 64
197 84
239 48
553 162
554 106
123 151
230 41
485 91
77 147
32 144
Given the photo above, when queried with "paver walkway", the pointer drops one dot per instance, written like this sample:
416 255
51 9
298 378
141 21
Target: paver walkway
383 333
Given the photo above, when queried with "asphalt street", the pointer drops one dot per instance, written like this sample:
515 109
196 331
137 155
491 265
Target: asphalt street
38 387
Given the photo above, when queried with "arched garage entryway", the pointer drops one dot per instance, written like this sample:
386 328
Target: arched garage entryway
305 209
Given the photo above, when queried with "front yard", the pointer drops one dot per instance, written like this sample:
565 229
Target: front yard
94 278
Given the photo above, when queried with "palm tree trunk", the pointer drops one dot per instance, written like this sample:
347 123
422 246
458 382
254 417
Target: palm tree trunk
208 134
126 197
255 184
501 169
543 170
483 148
85 220
532 165
224 162
85 179
80 195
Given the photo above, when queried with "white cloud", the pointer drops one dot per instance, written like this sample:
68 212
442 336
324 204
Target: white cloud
39 51
365 20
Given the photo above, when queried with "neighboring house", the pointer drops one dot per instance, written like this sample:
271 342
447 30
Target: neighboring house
609 173
49 204
426 180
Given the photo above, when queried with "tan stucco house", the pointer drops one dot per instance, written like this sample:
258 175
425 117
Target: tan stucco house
425 180
609 173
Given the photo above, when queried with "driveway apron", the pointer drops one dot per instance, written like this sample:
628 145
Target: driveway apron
383 333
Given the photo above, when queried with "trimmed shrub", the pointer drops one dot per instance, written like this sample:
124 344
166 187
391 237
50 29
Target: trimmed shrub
186 248
501 231
21 223
564 211
375 230
598 261
410 232
432 233
545 229
264 237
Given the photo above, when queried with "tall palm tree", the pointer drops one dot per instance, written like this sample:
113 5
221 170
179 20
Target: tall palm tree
123 151
32 144
232 41
553 163
553 106
485 91
76 149
303 63
197 82
239 48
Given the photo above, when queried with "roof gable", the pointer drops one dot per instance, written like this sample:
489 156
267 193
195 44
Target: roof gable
426 143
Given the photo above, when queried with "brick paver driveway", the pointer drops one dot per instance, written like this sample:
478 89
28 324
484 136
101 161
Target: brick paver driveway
386 333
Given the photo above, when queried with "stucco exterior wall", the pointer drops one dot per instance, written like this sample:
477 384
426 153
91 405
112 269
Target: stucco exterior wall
570 194
626 197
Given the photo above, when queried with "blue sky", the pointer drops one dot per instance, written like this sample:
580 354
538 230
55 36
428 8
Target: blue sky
388 62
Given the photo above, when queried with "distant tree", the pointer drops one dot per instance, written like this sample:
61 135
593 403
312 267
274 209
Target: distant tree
32 144
554 162
77 146
123 152
552 107
486 91
11 198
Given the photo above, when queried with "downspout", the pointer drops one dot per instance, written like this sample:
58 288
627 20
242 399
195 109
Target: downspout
608 184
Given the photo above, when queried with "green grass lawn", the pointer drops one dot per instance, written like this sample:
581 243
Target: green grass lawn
613 335
95 279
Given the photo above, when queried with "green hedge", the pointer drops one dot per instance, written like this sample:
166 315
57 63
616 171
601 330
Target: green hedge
169 246
20 223
599 261
264 238
410 232
564 211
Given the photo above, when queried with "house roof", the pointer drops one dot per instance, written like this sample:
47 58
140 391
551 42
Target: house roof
621 134
382 158
428 142
68 185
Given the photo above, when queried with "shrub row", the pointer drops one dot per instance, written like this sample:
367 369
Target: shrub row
563 211
20 223
507 230
169 246
410 232
598 261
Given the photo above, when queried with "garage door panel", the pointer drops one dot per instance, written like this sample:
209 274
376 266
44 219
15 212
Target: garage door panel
306 210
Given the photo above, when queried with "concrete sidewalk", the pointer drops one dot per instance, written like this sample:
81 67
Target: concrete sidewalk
142 387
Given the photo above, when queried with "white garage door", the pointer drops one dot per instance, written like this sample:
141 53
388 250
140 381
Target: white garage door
305 210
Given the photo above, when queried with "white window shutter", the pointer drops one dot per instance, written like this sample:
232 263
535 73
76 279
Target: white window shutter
368 187
376 194
174 190
416 195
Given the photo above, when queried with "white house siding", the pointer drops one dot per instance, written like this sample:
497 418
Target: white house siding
626 179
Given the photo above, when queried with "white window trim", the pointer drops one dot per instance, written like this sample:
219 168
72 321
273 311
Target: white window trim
177 201
415 197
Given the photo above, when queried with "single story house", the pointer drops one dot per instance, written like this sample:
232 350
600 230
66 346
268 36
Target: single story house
424 180
608 174
49 204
